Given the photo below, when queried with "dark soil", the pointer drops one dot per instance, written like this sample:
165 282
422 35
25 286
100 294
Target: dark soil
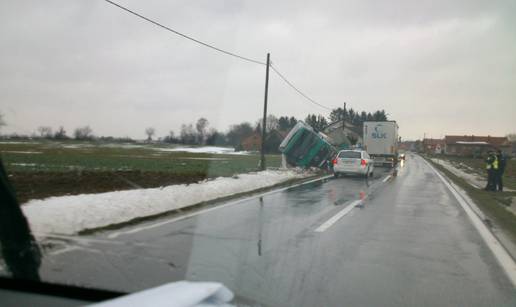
42 184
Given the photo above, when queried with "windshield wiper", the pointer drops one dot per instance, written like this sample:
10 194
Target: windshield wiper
20 251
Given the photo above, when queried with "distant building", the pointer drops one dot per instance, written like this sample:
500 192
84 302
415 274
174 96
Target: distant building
408 145
418 144
475 146
254 141
433 146
344 134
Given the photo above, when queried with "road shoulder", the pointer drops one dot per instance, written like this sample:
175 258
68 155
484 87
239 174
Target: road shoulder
88 213
500 221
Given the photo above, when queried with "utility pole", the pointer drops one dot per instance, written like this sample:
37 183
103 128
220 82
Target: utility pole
264 123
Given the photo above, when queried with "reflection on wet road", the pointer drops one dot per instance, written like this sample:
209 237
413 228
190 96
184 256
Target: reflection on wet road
390 240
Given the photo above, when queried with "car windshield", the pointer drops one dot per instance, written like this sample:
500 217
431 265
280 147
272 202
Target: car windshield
297 153
350 154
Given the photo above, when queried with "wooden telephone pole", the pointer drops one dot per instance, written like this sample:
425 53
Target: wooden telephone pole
264 123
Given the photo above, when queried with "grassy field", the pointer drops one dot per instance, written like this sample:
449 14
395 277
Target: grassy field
41 169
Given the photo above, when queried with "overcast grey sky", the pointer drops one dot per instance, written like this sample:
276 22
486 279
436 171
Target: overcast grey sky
437 67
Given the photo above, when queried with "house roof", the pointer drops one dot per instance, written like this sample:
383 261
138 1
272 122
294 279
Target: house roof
253 138
475 139
338 124
472 143
257 136
282 133
433 142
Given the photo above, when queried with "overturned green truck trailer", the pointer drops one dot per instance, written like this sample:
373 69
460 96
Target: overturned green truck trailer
304 147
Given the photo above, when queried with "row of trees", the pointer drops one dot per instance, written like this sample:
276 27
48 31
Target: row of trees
200 132
319 122
356 117
80 133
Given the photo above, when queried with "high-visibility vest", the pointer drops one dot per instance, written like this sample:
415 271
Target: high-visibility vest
495 163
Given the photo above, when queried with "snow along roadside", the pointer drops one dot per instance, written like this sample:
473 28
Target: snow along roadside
71 214
472 178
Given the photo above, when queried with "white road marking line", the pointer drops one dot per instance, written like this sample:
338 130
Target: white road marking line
386 178
324 226
64 250
503 257
74 238
179 218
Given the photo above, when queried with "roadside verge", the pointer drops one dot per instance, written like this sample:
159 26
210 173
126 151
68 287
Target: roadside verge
80 214
499 240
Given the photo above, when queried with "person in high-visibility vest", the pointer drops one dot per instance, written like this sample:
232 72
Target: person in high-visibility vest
502 162
492 168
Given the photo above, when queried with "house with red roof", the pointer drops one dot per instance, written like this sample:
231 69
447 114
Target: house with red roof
433 146
475 146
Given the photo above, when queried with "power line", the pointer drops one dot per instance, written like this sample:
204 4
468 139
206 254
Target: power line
184 35
219 50
297 90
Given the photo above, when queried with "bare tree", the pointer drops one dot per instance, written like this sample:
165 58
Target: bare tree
213 137
237 133
83 133
171 135
201 126
60 134
45 131
150 132
187 134
2 121
272 123
170 138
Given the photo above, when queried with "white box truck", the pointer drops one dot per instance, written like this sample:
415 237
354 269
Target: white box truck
381 141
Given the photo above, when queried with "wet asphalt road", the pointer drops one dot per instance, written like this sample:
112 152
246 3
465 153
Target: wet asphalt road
408 244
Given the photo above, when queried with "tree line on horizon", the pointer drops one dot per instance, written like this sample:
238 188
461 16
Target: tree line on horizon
200 132
210 136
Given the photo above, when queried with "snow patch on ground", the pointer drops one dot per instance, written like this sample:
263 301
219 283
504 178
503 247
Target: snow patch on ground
205 149
78 146
123 145
17 142
24 164
470 176
71 214
207 158
22 152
